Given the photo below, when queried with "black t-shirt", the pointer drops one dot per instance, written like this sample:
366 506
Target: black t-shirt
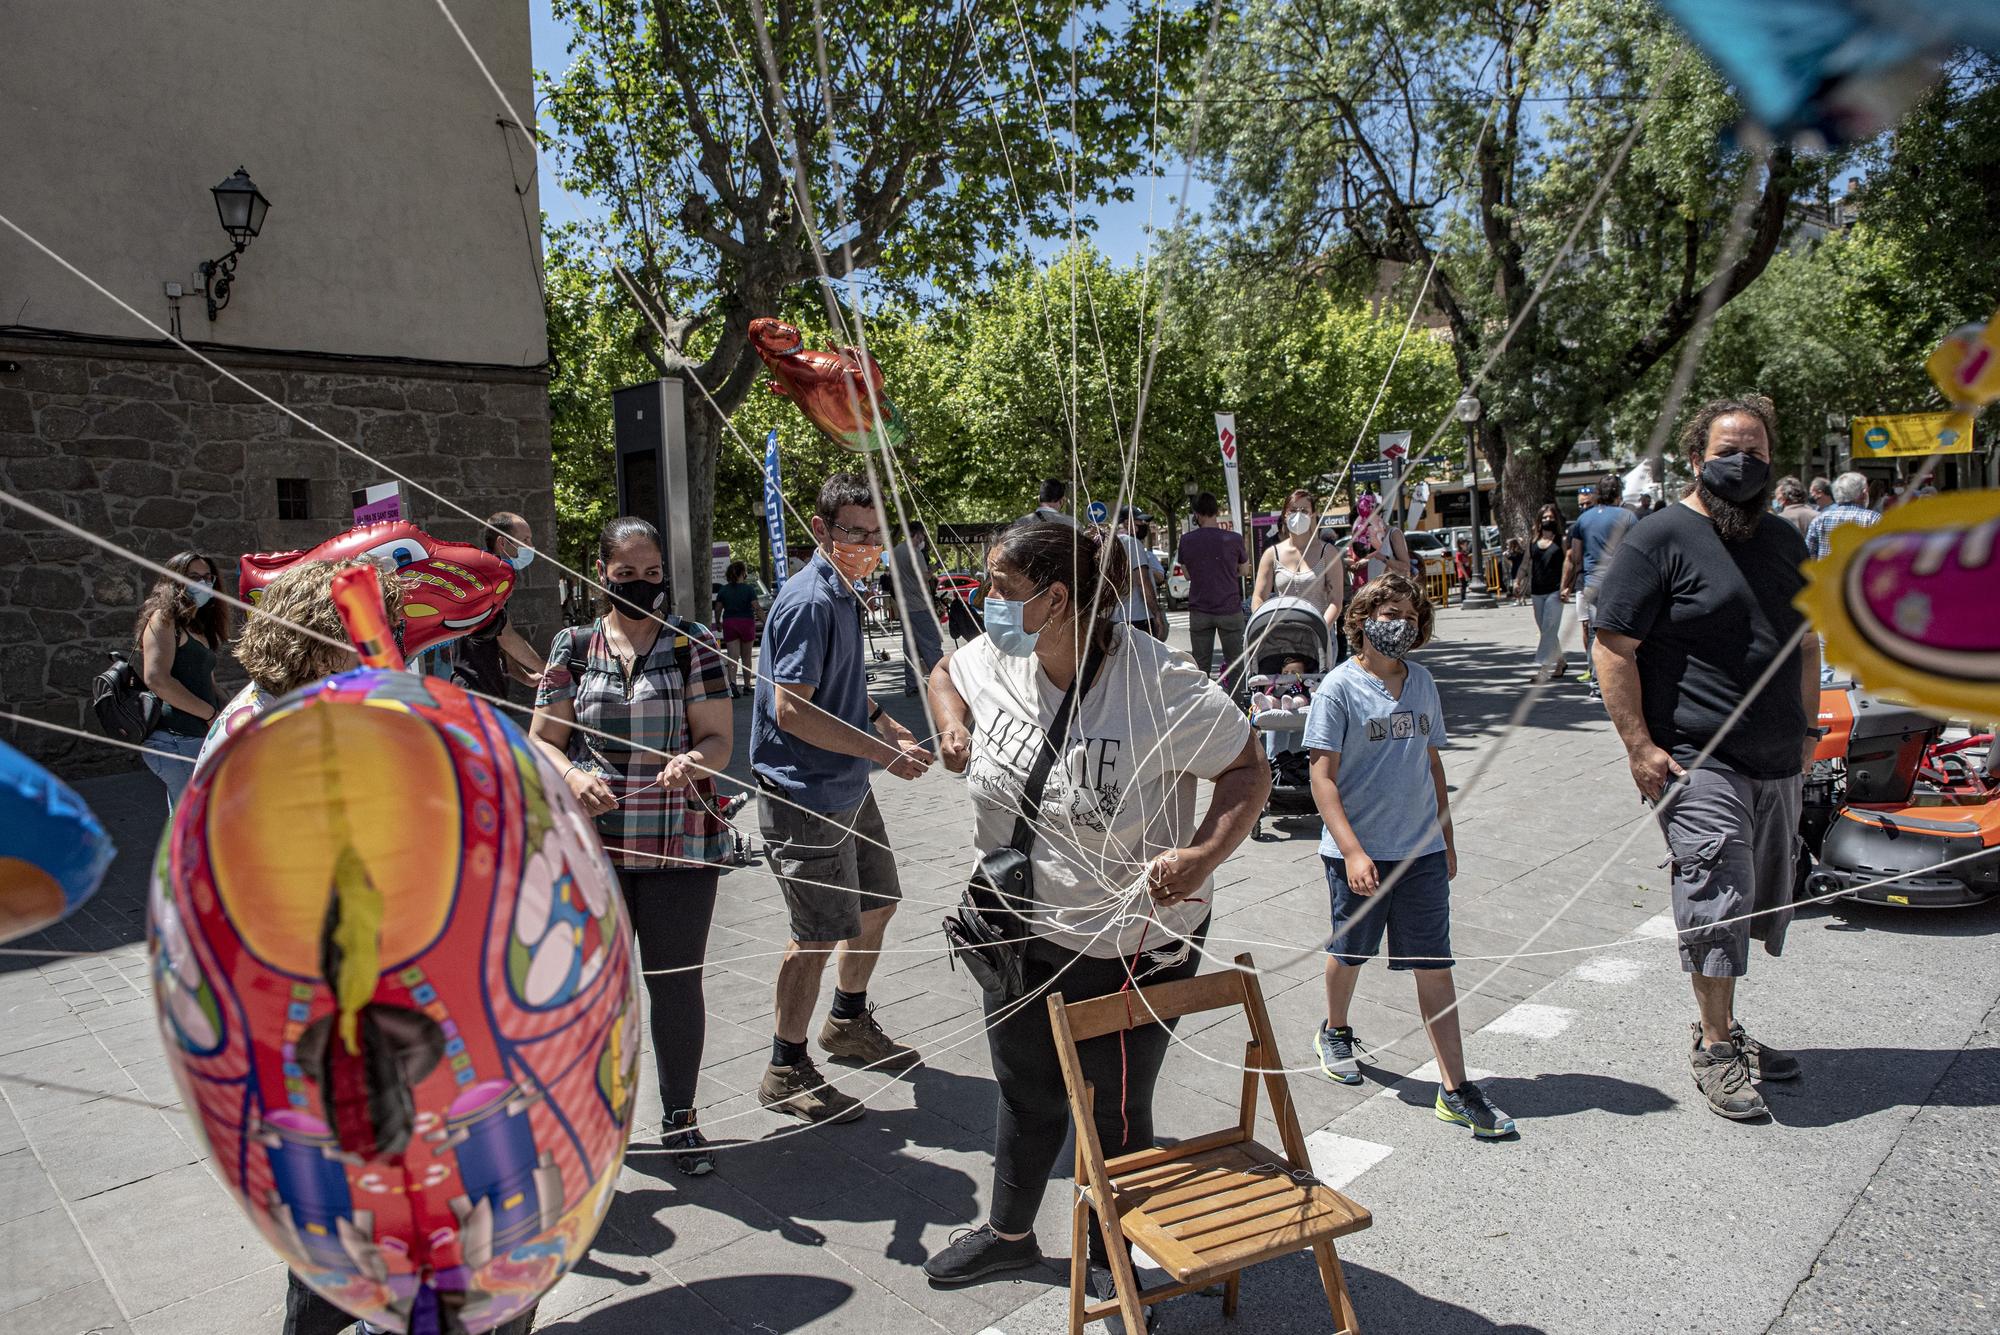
1709 617
476 660
1545 571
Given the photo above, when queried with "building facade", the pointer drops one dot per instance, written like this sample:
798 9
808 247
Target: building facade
392 300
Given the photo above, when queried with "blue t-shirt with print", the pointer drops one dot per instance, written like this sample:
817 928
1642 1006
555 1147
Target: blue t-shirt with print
812 638
1385 768
1599 529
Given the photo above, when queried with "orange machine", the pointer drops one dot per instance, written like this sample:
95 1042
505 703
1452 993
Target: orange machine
1887 795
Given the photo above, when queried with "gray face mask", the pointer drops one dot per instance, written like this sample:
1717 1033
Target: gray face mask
1390 636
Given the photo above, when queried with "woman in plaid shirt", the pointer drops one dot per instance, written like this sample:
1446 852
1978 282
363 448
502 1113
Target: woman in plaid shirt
657 683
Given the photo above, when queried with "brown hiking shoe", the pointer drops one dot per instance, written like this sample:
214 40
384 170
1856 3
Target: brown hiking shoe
861 1039
1723 1075
802 1091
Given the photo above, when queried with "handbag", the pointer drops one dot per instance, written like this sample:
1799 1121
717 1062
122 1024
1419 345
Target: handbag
987 931
124 708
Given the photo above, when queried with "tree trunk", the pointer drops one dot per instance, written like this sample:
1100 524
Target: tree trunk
1527 482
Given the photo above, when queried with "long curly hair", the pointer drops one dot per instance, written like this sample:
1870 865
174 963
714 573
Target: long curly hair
277 657
169 597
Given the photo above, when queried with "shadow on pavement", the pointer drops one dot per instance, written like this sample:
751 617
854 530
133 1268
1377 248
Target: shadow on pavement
1842 1084
1482 685
1563 1094
1846 915
770 1303
1285 1295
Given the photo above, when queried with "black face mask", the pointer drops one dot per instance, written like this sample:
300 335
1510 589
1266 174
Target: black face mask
637 598
1736 478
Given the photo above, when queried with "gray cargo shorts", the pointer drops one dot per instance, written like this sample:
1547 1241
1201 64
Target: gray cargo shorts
1733 843
832 866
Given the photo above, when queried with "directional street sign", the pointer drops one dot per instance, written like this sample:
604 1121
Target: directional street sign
1430 461
1099 512
1375 472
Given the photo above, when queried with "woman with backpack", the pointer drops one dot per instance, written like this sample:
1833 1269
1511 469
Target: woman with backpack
656 685
179 632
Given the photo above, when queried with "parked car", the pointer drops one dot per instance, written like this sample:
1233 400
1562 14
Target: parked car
1177 585
1429 546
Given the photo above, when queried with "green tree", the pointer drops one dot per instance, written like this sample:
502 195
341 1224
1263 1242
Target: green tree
1409 132
732 168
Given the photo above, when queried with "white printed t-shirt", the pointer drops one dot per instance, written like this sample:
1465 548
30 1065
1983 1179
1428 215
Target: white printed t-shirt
1150 725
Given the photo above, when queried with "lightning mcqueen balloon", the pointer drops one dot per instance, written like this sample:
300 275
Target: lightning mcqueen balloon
393 979
450 588
840 392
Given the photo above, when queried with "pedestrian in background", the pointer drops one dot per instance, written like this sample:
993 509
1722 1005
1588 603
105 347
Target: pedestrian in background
1850 506
655 684
1544 585
1216 562
914 582
180 631
1790 499
736 610
1303 564
1053 503
1820 493
1512 559
489 657
1592 540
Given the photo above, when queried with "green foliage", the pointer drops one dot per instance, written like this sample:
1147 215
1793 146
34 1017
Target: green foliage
594 351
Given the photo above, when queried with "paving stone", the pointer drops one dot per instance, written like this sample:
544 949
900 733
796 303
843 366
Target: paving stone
41 1255
105 1144
171 1236
256 1302
24 1188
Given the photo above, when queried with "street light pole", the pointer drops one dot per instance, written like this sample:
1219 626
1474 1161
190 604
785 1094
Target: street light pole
1468 410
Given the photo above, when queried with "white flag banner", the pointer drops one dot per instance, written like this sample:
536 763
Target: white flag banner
1225 439
1393 444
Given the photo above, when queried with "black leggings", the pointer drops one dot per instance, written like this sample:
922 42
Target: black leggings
1034 1111
670 909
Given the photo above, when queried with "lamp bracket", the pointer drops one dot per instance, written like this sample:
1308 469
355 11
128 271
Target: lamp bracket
217 275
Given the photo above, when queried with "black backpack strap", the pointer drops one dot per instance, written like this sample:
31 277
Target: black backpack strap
1038 777
579 657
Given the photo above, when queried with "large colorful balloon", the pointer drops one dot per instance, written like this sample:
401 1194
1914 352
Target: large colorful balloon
393 979
1841 70
53 851
1908 605
451 588
840 392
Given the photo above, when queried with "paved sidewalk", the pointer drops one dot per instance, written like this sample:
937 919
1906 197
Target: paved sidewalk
112 1221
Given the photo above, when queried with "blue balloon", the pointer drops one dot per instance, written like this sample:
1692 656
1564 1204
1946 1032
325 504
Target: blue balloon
53 850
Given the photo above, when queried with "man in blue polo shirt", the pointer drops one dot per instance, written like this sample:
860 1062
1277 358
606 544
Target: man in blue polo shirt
815 738
1592 539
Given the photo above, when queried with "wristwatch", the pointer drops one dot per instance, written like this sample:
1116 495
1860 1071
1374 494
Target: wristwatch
874 711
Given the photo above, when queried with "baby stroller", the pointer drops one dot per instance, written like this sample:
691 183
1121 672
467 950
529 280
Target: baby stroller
1287 643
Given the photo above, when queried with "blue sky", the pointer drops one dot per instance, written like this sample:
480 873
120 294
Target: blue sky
1121 228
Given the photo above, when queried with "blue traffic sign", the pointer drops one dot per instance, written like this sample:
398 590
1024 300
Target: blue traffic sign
1099 512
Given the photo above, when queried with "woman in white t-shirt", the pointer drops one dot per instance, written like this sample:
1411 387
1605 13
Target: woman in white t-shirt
1122 869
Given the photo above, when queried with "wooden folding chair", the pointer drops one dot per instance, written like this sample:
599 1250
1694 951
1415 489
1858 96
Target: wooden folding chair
1209 1207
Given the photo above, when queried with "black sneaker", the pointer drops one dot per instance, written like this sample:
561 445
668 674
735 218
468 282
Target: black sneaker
692 1154
1467 1106
975 1253
1104 1288
1721 1073
1765 1063
1336 1054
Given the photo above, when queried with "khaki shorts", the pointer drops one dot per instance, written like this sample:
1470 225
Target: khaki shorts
832 866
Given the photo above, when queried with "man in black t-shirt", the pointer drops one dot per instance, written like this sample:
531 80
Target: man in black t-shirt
1694 616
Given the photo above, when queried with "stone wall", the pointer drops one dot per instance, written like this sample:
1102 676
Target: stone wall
159 454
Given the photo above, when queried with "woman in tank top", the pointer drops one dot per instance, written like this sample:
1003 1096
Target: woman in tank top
180 630
1301 564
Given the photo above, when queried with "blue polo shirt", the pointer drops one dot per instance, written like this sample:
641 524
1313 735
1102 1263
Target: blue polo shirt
812 637
1384 744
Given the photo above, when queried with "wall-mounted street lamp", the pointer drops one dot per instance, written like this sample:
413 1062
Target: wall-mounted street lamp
242 207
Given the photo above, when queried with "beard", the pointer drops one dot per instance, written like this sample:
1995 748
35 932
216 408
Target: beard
1734 521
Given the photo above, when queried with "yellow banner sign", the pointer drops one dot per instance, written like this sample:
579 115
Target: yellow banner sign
1910 433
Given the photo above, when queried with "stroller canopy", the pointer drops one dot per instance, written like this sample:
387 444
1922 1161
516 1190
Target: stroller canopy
1287 628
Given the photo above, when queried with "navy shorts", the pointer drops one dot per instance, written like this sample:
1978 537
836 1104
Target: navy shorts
1416 915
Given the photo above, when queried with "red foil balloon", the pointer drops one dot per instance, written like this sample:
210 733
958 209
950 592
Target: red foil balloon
450 588
395 987
840 392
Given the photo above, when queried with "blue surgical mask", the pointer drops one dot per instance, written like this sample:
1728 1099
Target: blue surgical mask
1003 627
200 592
522 559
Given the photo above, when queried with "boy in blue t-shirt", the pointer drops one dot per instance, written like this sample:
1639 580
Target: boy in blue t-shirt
1374 731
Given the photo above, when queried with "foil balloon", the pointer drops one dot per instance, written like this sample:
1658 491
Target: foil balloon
450 588
1907 605
53 850
1839 70
840 392
393 980
1371 523
1966 370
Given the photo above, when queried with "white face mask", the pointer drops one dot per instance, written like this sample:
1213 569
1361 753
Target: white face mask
1298 521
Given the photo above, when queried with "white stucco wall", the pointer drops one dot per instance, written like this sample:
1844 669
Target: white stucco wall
395 228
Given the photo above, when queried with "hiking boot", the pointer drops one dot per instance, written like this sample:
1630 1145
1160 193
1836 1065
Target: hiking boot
975 1253
861 1039
692 1154
1336 1054
1723 1075
1467 1106
802 1091
1765 1063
